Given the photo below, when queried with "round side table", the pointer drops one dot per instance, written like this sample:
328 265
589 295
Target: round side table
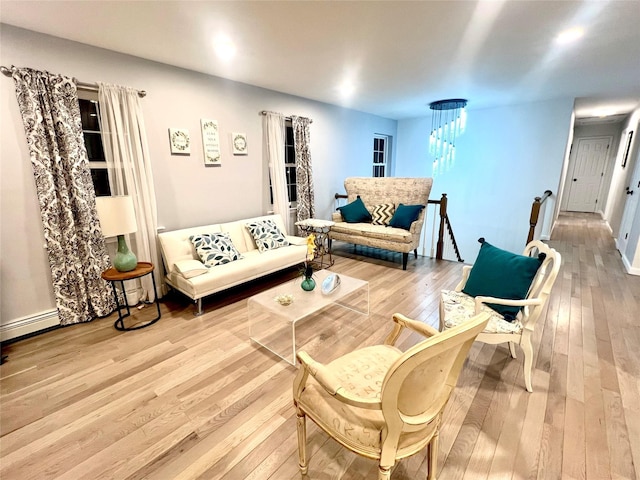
112 275
320 228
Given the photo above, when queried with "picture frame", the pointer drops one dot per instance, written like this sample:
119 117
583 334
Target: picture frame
179 141
627 149
210 142
239 143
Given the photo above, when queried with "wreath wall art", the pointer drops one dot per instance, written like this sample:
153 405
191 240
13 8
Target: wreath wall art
180 141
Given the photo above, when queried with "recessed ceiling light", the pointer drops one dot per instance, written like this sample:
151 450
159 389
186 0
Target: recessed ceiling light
225 48
346 89
603 112
570 35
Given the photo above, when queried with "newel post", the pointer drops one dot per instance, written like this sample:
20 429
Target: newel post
443 216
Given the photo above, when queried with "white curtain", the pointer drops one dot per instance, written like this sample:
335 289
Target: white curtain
129 163
274 134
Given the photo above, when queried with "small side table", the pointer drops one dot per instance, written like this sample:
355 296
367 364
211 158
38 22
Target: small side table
320 228
112 275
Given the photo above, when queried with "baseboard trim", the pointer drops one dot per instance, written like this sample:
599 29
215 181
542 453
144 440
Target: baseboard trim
28 325
631 270
545 237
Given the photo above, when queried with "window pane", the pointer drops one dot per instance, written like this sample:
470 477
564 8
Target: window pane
293 193
381 144
93 143
89 115
289 155
100 179
289 136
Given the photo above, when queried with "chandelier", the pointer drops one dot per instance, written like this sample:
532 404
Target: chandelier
447 122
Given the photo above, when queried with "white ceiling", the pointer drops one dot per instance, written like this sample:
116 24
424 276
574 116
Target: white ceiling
399 56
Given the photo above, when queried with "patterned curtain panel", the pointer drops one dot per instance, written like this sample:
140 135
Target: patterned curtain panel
75 245
304 172
127 155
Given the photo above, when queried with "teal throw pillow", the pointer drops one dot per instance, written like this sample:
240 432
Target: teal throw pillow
405 215
501 274
355 212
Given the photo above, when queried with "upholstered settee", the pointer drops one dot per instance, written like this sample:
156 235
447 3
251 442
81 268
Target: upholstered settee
383 196
186 272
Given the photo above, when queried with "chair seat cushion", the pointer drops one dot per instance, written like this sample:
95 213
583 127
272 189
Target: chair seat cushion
460 307
361 373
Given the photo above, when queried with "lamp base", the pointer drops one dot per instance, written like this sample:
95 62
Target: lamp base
125 260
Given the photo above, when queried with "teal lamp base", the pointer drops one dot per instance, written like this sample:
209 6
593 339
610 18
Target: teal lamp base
125 260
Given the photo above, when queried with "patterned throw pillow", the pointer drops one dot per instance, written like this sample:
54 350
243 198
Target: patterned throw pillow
267 235
215 248
382 213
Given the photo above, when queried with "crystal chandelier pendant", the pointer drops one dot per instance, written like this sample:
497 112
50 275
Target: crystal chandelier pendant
448 121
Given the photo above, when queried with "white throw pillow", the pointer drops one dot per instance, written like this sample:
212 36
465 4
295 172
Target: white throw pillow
267 235
190 268
215 248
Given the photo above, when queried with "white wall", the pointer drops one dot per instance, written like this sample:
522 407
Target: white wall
506 158
621 176
188 194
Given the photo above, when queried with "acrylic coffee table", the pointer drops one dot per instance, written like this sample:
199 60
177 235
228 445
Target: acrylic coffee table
273 325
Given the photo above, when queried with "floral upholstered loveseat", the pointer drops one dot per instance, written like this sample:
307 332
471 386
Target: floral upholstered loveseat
382 197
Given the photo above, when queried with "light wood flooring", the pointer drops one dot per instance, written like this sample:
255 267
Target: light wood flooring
193 398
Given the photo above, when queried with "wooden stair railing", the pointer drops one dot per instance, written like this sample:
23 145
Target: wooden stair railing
444 224
535 213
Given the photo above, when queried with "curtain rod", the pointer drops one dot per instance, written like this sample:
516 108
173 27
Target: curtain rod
264 112
87 86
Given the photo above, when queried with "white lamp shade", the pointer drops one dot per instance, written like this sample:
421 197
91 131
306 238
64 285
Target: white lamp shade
116 215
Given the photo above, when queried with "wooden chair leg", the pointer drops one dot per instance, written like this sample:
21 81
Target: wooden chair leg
415 253
302 442
384 473
432 458
512 349
405 257
527 350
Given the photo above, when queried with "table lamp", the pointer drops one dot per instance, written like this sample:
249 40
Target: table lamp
118 218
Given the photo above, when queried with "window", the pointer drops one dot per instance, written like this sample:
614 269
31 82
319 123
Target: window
290 163
91 131
380 155
289 166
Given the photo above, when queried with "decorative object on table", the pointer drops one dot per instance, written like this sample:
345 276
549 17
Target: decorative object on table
210 142
330 284
284 299
627 149
308 283
239 142
448 121
180 141
118 218
320 228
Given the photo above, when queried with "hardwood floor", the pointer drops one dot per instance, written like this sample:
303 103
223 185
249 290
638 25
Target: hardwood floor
193 398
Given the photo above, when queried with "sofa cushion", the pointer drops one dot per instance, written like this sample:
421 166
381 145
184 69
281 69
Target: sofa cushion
267 235
501 274
373 231
405 215
215 248
381 214
355 212
190 268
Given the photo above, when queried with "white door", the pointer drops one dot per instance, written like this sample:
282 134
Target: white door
588 172
630 209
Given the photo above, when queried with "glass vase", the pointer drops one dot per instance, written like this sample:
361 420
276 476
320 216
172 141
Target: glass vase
308 284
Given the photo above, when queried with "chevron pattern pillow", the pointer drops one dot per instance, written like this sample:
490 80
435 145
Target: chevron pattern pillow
382 214
215 248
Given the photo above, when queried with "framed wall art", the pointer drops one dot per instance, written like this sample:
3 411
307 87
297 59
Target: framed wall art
179 141
627 149
210 142
239 142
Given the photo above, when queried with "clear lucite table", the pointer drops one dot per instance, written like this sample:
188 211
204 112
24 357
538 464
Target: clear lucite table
273 326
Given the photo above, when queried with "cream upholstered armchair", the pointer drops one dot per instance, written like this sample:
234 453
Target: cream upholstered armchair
513 316
380 402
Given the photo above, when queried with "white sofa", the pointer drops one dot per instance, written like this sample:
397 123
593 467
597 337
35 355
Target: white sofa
185 272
